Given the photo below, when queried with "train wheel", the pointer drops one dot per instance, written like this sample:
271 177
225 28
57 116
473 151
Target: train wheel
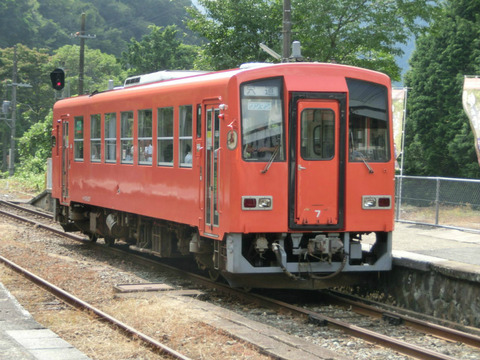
213 274
93 238
109 241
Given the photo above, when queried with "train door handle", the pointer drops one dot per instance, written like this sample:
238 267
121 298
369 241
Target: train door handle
300 167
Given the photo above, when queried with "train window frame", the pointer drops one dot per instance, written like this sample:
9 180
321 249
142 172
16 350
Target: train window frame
126 137
185 135
264 94
95 138
145 136
319 126
165 126
78 138
110 137
369 125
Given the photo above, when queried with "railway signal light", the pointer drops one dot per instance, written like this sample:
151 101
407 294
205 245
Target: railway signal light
58 79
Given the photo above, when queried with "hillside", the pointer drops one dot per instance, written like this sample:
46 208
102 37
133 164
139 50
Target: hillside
53 23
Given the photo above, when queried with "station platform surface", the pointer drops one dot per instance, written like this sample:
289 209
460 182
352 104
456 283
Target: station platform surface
437 245
22 338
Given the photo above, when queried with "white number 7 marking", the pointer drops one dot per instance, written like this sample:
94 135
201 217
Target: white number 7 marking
318 212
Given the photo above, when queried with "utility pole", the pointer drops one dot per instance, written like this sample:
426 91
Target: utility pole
287 29
11 165
13 105
81 65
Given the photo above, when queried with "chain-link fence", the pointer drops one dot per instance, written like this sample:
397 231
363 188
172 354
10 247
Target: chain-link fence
438 201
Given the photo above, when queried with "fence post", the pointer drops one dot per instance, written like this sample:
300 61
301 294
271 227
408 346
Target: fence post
437 201
399 178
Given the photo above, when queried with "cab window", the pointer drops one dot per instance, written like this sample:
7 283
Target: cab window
368 122
262 120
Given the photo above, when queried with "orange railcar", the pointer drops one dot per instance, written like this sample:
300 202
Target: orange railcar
269 175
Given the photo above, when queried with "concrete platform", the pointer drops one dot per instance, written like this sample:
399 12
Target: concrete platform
22 338
436 271
438 243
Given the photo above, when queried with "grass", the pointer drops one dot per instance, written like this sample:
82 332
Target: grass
459 216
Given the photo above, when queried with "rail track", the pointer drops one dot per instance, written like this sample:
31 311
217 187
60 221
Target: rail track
426 327
82 305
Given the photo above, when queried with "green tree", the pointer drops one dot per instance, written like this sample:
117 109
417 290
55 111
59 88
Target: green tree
439 141
32 103
99 68
51 23
162 49
365 33
19 22
34 148
235 28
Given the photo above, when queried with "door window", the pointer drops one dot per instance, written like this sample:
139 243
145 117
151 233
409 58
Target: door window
317 134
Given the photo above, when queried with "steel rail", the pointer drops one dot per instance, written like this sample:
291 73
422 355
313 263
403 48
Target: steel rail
409 321
356 331
82 305
23 208
41 226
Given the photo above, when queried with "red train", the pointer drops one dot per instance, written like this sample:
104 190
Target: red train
269 175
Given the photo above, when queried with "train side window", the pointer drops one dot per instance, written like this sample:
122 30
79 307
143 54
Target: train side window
145 137
95 138
368 122
185 135
165 136
199 121
78 138
110 137
318 134
126 137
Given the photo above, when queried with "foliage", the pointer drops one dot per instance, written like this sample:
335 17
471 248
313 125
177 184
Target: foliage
438 137
99 68
32 68
162 49
34 149
51 23
365 33
19 20
235 28
33 104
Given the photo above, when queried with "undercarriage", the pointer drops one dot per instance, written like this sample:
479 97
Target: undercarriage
268 260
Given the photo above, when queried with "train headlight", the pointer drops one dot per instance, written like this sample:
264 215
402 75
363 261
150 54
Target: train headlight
264 203
376 202
369 202
257 203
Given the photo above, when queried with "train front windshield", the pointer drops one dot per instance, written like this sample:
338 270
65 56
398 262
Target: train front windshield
262 121
368 130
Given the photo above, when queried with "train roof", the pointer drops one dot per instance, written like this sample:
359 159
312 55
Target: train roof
181 78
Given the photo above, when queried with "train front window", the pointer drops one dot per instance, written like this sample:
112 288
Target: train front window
368 125
262 121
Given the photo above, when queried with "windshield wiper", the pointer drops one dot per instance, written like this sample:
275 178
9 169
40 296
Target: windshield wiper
370 170
274 154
